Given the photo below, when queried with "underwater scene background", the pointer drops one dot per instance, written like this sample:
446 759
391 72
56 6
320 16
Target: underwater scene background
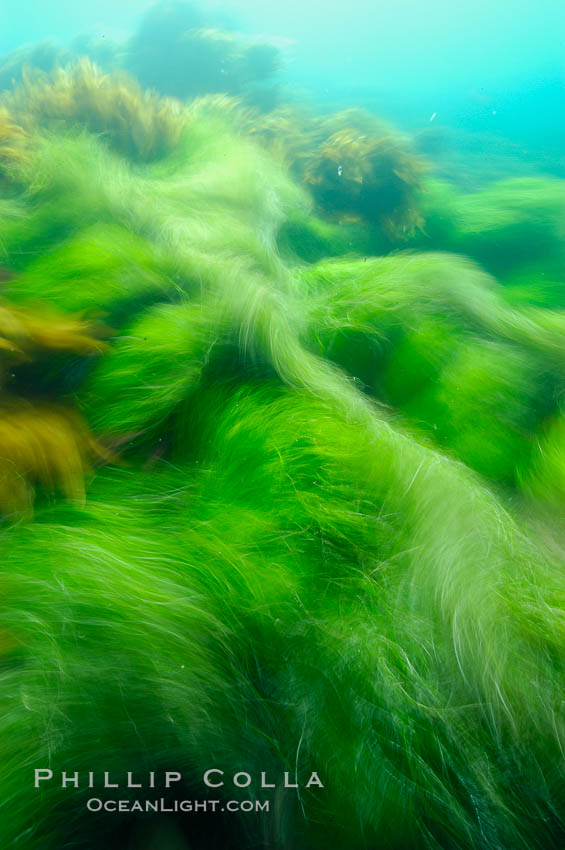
282 425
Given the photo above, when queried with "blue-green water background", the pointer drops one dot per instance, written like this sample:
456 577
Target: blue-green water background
494 67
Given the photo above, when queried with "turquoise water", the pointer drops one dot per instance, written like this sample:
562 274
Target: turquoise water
411 59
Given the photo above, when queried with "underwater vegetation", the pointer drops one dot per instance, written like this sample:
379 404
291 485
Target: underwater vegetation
364 168
40 441
356 167
513 228
137 123
271 503
434 336
12 143
45 56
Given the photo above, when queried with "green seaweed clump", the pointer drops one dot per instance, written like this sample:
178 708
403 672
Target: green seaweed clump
514 228
433 336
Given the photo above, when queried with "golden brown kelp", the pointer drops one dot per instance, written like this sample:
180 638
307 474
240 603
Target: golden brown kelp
137 123
354 165
43 445
12 143
23 333
40 442
367 176
364 167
